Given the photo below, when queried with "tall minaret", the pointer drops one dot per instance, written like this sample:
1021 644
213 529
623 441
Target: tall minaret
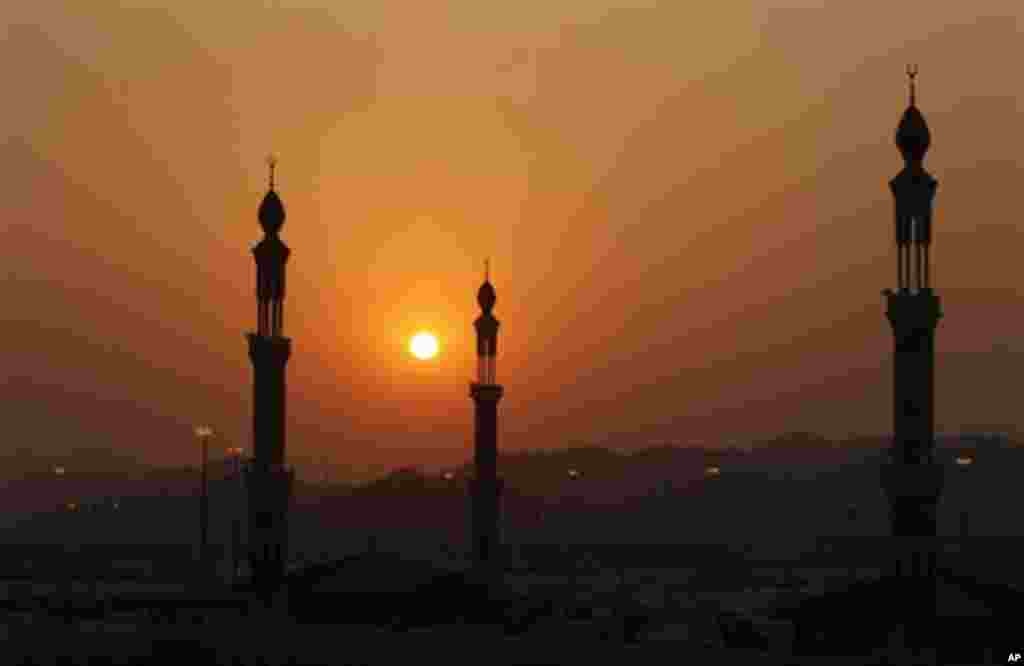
485 488
269 482
912 480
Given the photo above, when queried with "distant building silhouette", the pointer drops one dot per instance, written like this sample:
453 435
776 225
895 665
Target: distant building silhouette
269 482
912 480
485 487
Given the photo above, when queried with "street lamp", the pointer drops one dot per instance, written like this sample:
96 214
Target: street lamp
203 433
851 551
572 476
964 462
449 486
59 490
235 452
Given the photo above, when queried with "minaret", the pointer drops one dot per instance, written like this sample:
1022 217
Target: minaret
911 479
269 482
485 488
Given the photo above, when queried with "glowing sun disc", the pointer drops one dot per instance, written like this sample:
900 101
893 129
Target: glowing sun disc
423 346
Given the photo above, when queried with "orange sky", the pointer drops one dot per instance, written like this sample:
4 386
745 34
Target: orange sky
686 205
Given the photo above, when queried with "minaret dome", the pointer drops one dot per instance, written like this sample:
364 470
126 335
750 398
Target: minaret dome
912 135
486 295
271 212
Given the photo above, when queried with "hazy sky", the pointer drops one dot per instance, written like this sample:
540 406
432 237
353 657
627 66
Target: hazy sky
686 205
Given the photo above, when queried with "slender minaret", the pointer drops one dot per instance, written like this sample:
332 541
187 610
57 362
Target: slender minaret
269 482
485 488
911 479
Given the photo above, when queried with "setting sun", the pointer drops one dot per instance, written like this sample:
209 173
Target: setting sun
423 345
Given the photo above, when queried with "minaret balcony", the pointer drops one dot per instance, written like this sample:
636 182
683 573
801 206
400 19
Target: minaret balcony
279 342
917 307
491 392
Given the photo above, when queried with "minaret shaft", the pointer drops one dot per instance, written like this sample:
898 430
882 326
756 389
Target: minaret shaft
485 431
268 481
486 486
912 480
269 357
913 393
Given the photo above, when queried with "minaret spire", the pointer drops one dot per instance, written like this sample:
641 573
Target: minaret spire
271 164
486 329
913 190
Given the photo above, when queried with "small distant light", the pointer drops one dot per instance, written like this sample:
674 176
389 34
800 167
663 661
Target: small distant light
448 476
963 461
573 474
203 431
713 471
59 471
117 505
72 506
